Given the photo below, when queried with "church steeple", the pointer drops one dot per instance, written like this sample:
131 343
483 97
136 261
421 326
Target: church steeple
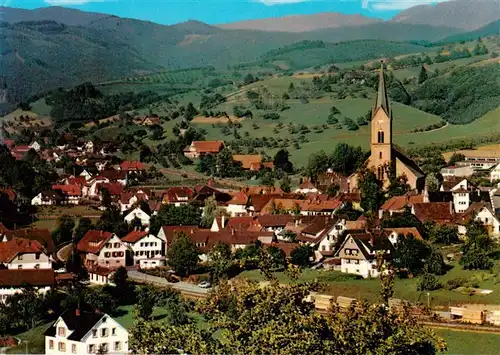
382 100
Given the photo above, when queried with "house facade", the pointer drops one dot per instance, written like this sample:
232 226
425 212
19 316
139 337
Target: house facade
78 332
139 214
199 148
103 249
144 247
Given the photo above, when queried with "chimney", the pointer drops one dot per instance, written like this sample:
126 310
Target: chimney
223 221
232 231
77 312
451 208
426 194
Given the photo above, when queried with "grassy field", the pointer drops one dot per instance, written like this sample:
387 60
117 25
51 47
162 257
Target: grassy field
469 343
404 288
35 341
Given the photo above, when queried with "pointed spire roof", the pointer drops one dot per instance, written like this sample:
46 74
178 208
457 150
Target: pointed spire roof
382 100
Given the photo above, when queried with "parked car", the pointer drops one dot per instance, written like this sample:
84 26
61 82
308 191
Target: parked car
205 284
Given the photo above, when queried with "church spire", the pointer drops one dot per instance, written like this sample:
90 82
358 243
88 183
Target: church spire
382 100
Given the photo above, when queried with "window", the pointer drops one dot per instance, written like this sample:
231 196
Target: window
113 331
91 348
37 256
107 254
51 344
20 257
103 347
380 173
37 266
73 348
323 247
94 333
380 155
380 137
117 245
108 245
104 332
118 345
104 320
61 347
61 331
142 244
356 261
348 261
19 267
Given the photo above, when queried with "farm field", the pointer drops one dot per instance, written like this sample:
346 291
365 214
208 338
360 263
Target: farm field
337 285
469 343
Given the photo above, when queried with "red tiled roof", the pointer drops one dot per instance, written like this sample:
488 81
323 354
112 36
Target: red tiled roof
178 194
303 205
93 241
17 246
171 231
398 203
207 146
26 277
134 236
239 198
132 165
101 270
114 188
439 212
80 180
350 197
262 190
69 190
258 201
276 220
318 224
113 174
240 223
43 236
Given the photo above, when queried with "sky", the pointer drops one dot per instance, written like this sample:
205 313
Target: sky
223 11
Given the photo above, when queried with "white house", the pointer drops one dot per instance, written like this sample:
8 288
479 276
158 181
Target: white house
237 206
46 198
140 214
457 171
306 187
99 275
35 146
461 200
358 253
86 175
495 173
103 249
92 187
78 332
21 253
482 213
145 247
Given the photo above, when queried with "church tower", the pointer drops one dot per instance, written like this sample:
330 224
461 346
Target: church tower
381 132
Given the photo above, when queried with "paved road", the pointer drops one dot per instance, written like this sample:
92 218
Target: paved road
181 286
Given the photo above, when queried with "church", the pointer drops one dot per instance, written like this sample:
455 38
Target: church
385 155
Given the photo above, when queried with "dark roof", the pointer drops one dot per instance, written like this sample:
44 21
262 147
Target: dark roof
382 100
480 196
318 224
276 220
440 196
80 325
399 153
43 236
26 277
439 212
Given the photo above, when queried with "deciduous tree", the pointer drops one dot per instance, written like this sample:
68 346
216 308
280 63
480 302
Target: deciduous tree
183 255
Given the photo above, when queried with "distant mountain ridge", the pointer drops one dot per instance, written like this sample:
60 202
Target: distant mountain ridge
302 23
43 49
466 14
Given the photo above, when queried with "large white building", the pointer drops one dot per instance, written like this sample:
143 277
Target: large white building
77 332
140 215
147 249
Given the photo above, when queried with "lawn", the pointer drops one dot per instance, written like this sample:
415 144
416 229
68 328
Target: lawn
469 343
403 288
35 339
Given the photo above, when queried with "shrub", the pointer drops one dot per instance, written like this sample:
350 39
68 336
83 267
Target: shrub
428 282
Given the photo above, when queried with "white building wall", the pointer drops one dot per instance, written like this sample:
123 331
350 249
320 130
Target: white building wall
9 291
90 343
138 213
359 267
146 248
30 261
236 210
113 254
461 201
